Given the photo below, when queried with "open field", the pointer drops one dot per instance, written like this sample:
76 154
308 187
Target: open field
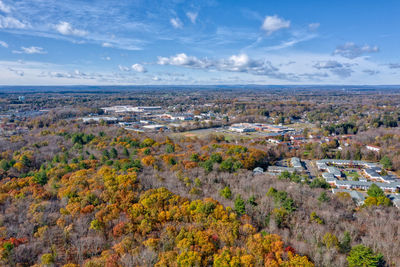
204 133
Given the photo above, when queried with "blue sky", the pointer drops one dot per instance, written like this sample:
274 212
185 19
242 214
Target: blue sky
53 42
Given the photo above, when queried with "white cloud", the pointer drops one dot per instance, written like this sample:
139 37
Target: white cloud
341 70
139 68
30 50
235 63
238 62
4 8
314 26
76 74
192 16
351 50
10 22
106 45
3 44
176 23
183 60
274 23
66 28
123 68
330 64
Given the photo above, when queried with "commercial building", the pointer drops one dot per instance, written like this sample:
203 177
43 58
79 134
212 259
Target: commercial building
242 128
155 127
127 109
99 119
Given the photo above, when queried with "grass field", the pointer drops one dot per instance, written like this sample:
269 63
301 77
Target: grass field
203 133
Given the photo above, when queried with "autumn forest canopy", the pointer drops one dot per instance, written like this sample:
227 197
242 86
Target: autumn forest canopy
74 193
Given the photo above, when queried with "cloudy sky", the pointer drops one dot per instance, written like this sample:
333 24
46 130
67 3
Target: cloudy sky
54 42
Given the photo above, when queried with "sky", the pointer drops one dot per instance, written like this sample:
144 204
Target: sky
135 42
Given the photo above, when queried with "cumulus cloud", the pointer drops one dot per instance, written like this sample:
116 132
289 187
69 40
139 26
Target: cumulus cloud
135 67
3 44
139 68
242 63
274 23
176 23
314 26
66 28
235 63
351 50
4 8
341 70
30 50
183 60
7 22
192 16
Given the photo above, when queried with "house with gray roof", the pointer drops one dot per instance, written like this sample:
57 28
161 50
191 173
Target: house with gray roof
279 169
334 171
296 163
358 197
392 187
371 173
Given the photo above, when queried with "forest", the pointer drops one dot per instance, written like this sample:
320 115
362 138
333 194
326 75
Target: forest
76 194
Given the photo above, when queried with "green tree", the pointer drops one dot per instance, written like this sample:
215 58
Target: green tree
41 177
252 200
26 161
169 148
226 192
4 165
227 165
386 162
125 152
375 191
240 207
147 151
194 157
106 154
361 256
147 142
319 183
113 153
207 165
345 243
284 175
216 158
323 197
